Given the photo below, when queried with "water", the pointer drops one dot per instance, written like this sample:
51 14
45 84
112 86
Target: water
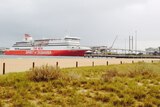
21 56
59 57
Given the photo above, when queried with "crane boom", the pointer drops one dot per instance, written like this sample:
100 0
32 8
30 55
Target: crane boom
113 42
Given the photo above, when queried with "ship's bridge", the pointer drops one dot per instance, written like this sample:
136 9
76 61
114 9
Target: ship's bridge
67 41
72 40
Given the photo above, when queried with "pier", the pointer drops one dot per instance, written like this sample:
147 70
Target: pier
122 56
103 51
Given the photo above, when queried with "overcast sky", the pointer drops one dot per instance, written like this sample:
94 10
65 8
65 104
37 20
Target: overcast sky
96 22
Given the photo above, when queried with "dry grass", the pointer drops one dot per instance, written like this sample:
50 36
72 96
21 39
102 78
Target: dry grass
44 73
139 69
128 85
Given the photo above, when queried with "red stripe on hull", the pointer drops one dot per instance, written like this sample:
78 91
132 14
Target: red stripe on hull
46 52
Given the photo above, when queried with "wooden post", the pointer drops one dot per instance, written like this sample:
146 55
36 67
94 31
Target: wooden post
76 64
152 61
120 62
4 68
132 62
56 64
33 65
93 64
107 63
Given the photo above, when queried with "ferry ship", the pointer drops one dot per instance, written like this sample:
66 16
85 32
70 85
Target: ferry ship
68 46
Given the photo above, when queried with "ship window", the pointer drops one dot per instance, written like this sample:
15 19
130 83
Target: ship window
25 49
72 39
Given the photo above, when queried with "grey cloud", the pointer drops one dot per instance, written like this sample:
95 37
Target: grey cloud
97 22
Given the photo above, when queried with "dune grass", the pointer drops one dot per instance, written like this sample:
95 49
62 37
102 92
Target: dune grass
127 85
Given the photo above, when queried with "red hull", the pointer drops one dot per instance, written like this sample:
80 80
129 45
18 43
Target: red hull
46 52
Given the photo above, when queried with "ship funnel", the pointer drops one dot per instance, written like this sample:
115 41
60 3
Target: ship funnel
28 38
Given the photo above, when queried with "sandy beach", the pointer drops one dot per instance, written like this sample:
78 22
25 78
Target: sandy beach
23 64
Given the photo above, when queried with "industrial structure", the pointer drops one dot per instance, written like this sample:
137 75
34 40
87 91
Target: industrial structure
152 51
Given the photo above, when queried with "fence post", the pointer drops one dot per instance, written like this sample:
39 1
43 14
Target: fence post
107 63
33 65
4 68
76 64
93 64
56 64
120 62
132 62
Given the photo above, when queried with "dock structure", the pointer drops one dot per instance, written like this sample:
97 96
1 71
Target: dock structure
105 49
122 56
122 53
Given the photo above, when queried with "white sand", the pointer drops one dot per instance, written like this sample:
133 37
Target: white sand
23 64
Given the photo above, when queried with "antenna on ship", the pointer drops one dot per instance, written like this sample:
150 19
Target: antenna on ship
67 33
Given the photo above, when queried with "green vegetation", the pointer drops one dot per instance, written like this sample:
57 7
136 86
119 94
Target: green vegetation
127 85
